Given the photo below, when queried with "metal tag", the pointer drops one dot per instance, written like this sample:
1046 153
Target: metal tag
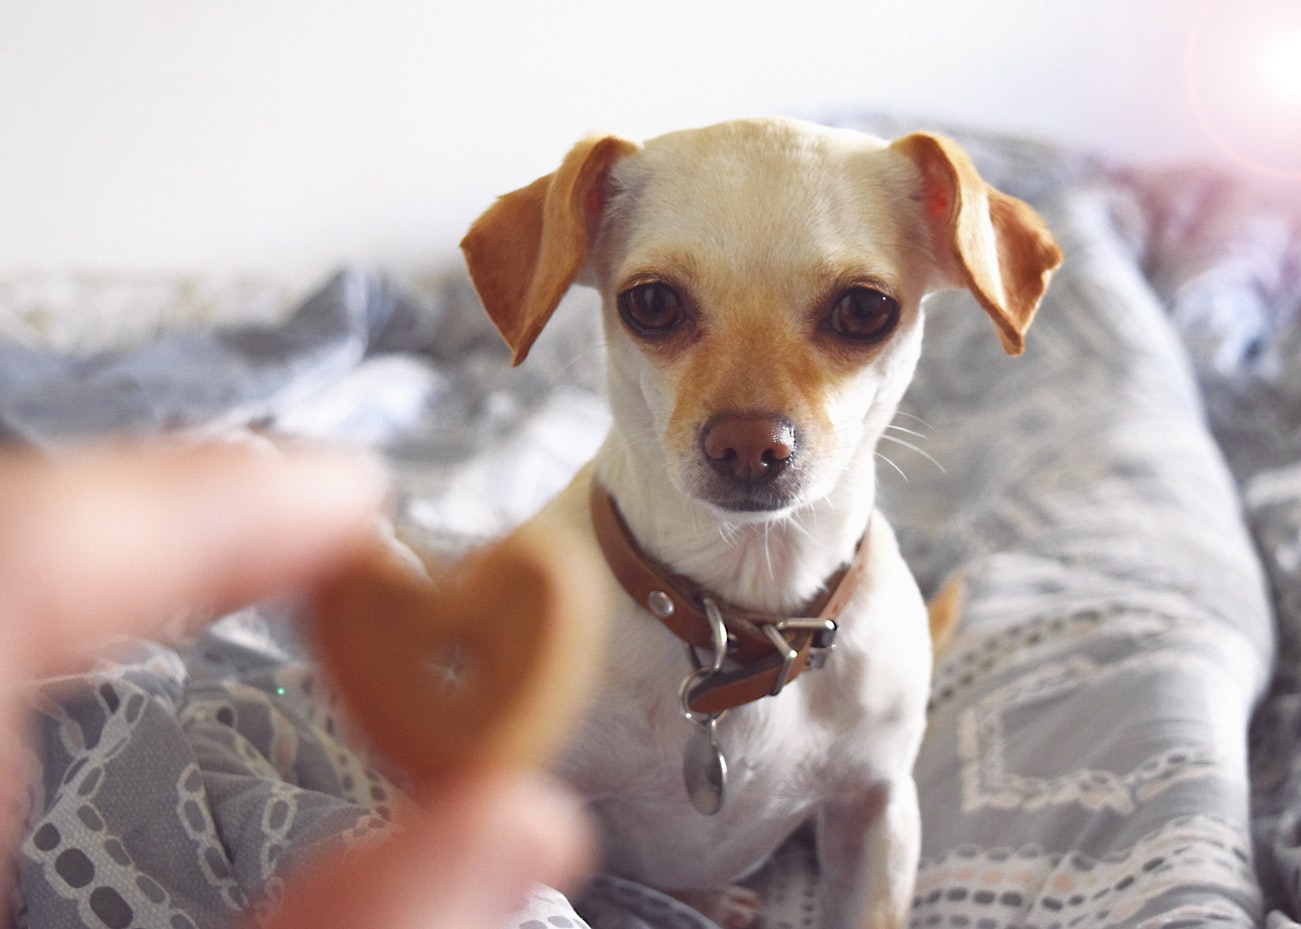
705 769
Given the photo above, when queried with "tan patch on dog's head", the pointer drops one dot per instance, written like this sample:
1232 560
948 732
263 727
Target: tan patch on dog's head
758 230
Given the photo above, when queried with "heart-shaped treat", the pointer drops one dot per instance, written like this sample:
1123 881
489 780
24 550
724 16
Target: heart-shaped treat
486 665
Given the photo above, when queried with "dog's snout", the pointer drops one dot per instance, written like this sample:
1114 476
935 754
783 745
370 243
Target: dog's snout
748 447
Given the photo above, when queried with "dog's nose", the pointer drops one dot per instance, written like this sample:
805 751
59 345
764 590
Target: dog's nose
748 446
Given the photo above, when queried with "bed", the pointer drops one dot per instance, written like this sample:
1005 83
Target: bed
1115 731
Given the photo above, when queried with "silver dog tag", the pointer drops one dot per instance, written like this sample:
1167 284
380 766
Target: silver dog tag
705 769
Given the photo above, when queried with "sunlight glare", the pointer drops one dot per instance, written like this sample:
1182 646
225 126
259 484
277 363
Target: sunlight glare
1282 66
1243 73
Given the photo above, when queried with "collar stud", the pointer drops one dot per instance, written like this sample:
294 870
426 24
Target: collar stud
660 603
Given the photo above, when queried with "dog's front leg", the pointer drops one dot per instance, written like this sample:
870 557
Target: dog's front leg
868 846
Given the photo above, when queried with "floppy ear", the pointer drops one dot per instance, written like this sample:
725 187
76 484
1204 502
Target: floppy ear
1000 248
524 252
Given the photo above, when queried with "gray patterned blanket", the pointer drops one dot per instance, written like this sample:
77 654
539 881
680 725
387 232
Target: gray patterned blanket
1115 733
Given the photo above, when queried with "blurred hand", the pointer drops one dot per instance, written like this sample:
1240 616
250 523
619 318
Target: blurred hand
122 541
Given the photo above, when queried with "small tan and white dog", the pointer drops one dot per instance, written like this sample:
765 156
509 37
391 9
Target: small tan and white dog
762 284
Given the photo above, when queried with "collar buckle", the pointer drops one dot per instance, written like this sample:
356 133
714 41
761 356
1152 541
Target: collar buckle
822 641
824 637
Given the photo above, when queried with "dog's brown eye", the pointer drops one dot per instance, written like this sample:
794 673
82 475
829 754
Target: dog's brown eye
651 309
863 314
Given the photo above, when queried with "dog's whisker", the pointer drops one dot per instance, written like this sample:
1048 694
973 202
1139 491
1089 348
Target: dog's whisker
727 530
906 431
767 548
914 418
798 527
892 464
919 450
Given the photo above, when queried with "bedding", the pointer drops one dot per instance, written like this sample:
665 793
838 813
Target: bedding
1115 732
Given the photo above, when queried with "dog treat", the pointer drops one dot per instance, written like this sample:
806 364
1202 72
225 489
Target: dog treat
486 665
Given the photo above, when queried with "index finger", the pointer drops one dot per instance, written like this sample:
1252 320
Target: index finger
110 541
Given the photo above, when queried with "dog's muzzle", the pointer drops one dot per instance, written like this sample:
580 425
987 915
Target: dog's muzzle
753 458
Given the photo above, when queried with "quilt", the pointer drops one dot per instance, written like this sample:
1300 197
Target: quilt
1115 731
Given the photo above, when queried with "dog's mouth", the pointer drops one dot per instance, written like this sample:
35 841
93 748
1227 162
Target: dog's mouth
763 499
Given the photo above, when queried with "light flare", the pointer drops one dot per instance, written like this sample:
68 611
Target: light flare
1281 67
1243 77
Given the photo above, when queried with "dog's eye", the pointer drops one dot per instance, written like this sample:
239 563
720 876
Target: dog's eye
651 309
863 314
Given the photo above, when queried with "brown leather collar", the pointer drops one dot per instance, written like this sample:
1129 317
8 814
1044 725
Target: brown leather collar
765 652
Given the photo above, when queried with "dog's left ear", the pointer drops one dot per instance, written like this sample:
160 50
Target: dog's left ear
1001 249
525 251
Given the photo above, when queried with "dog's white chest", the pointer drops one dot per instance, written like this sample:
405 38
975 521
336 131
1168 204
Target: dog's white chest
787 757
653 830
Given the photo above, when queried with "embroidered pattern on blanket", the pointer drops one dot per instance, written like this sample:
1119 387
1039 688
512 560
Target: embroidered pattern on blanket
1162 657
1033 889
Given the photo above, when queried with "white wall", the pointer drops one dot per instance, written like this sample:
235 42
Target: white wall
290 135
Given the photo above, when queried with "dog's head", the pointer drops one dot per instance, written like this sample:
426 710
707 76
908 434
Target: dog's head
762 283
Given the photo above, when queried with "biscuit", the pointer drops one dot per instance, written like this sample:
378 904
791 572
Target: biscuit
486 665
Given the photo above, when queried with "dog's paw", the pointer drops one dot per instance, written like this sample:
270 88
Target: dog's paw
732 907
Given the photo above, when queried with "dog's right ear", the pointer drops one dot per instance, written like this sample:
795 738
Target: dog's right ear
525 251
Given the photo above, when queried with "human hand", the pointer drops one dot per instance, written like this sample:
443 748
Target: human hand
121 541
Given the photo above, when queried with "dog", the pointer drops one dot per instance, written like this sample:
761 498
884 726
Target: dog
769 659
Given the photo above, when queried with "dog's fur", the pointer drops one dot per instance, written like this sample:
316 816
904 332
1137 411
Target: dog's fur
760 228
